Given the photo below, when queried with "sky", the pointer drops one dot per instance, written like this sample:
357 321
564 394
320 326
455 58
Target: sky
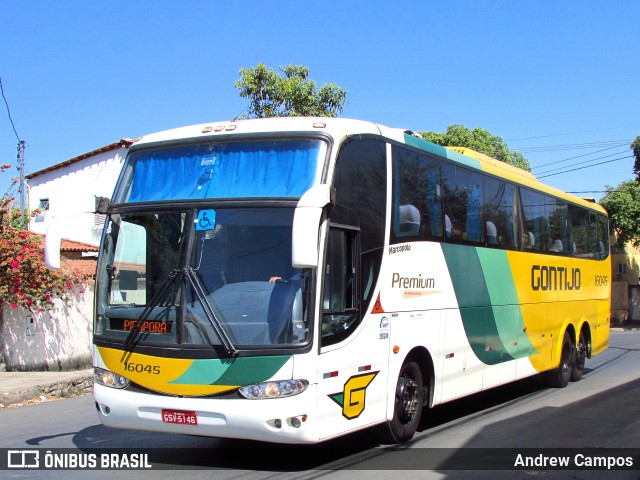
558 81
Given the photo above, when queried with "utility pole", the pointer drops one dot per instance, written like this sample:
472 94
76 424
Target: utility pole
21 145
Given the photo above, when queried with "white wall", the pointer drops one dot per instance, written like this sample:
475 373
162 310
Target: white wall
71 190
54 341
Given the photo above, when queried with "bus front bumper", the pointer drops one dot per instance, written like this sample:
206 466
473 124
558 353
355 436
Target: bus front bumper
288 420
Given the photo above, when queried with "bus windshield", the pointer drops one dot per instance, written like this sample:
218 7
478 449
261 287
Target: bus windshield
205 277
256 168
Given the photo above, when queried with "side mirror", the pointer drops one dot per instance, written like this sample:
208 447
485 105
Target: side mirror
306 221
52 242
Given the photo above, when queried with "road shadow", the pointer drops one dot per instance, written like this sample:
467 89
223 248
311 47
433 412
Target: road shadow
359 450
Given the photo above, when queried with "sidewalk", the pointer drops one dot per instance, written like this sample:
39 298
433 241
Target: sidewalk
20 388
629 325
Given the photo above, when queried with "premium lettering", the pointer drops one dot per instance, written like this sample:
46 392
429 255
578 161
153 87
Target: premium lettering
544 277
412 282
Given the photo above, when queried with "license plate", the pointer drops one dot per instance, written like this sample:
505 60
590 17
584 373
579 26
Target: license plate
180 417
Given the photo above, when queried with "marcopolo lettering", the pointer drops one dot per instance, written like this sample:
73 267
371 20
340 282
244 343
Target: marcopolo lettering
546 277
399 249
398 281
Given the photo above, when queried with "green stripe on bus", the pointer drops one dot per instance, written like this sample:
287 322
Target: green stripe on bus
504 298
238 371
489 307
474 303
442 152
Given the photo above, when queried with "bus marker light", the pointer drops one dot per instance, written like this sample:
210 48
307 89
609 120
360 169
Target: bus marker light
219 128
207 129
396 349
319 125
366 368
230 128
329 375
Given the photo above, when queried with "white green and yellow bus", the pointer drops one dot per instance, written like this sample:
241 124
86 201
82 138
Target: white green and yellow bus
292 280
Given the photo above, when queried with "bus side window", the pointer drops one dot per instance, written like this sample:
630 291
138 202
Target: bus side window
603 236
578 232
417 209
536 234
462 205
498 211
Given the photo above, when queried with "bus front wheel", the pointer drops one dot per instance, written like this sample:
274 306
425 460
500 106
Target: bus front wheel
409 399
560 376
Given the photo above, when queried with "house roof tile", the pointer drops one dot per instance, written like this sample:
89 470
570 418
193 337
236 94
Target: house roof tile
122 143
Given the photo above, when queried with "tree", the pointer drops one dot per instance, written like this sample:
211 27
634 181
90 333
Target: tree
623 205
290 95
635 146
24 279
479 140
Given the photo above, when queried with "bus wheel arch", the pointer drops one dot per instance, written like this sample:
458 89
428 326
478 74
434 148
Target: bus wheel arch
560 376
413 392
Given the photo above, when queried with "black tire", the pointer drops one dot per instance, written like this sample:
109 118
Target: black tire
560 376
579 359
407 410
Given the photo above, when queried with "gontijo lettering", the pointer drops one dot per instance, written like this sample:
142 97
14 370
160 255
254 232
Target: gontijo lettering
545 277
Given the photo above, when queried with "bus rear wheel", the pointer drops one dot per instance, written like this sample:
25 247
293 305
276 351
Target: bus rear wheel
560 376
409 399
580 356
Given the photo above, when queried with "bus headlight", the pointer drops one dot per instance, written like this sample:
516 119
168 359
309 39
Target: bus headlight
110 379
275 389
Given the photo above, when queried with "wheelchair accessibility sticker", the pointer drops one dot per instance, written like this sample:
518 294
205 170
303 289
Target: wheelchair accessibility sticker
206 220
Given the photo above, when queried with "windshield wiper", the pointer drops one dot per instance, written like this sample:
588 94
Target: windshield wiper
194 281
149 308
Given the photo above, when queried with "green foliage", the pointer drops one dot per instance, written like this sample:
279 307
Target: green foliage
24 279
623 205
635 146
291 95
479 140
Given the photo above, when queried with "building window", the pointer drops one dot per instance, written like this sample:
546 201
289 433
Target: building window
43 206
98 220
622 268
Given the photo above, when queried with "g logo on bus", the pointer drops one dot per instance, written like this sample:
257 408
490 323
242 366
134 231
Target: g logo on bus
353 397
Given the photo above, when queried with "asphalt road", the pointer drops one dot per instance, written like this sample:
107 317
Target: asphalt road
600 411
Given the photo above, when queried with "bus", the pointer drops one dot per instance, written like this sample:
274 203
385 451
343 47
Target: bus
293 280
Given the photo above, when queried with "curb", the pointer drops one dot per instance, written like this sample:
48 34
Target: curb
73 387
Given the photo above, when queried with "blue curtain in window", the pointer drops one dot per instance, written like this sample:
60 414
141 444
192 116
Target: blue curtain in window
269 169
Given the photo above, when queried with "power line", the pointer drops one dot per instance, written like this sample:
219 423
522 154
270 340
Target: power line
9 111
582 168
575 146
573 158
572 133
589 191
578 163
